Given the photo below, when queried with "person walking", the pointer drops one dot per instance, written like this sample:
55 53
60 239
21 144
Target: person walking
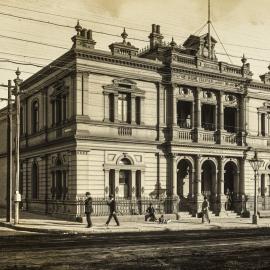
112 208
205 210
88 209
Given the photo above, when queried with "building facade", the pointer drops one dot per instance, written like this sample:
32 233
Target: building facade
165 123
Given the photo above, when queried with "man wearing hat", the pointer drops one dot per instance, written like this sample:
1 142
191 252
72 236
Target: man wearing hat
88 209
112 207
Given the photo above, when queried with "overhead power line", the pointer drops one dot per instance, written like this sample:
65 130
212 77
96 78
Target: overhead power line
107 24
63 25
74 18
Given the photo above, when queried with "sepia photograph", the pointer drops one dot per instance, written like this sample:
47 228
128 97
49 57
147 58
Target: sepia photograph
134 135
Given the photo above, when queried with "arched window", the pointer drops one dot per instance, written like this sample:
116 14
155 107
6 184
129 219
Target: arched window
35 116
59 182
124 161
34 181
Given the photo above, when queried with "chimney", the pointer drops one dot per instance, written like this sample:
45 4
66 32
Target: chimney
89 34
84 33
155 37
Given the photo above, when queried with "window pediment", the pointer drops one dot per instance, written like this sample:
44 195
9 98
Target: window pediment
59 88
123 85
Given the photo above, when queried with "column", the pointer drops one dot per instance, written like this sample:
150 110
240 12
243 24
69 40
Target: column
198 176
85 94
142 100
173 175
238 124
197 108
220 111
116 179
115 107
161 104
106 182
236 182
174 105
78 94
192 176
216 116
133 109
259 124
266 125
193 115
242 177
221 195
133 184
198 193
106 107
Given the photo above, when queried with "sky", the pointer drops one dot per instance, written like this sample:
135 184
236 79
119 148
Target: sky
241 25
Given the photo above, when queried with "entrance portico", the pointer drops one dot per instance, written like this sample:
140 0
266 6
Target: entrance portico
199 176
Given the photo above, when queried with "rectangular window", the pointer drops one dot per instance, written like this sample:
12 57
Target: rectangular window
138 110
111 107
64 108
53 112
124 109
58 109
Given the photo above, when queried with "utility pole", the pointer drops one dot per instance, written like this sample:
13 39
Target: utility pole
17 195
209 30
9 156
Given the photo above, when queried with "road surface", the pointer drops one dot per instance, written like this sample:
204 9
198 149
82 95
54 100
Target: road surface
215 249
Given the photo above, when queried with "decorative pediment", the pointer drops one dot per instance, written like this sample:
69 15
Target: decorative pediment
185 92
208 96
230 99
265 107
198 45
123 85
59 88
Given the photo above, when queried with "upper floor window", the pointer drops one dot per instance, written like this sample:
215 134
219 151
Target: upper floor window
59 101
124 107
35 116
124 102
138 110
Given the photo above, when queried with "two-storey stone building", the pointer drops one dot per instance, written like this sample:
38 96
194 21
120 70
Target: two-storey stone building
167 121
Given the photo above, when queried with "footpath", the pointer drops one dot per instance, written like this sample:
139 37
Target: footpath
46 224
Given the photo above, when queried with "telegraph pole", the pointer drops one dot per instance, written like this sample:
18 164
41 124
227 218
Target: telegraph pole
17 195
9 156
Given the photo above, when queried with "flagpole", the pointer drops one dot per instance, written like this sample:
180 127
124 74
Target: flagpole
209 30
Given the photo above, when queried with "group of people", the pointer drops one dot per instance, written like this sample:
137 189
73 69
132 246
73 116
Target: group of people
150 214
150 211
89 210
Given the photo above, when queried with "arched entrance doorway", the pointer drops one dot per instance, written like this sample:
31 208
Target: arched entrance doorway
209 187
184 183
125 180
230 184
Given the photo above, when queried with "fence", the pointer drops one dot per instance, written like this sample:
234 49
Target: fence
136 206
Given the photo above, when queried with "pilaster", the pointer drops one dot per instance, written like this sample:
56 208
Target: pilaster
133 109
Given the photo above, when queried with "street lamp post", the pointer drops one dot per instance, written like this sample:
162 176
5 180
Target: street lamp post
17 195
255 164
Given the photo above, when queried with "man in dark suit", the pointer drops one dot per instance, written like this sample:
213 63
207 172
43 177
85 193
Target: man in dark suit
112 207
88 209
150 213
